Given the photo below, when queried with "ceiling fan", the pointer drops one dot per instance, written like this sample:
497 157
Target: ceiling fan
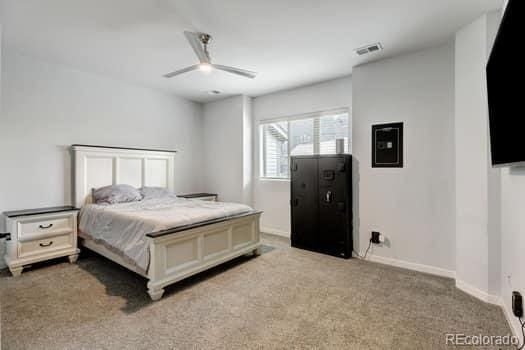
199 42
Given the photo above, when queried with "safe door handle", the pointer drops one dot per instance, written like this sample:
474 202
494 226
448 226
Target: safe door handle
43 227
328 197
46 245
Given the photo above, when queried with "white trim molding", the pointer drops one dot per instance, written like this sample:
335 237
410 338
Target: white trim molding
412 266
321 113
478 293
509 316
461 285
275 231
495 300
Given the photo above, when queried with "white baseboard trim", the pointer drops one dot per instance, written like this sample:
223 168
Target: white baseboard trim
462 285
509 316
413 266
512 321
274 231
476 292
491 299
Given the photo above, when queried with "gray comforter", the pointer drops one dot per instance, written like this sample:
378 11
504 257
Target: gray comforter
122 228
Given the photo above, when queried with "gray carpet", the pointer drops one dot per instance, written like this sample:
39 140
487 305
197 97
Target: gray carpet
284 299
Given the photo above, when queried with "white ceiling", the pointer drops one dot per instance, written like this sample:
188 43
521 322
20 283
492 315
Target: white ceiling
289 42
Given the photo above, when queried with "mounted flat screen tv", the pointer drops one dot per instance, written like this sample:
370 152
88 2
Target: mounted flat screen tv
506 92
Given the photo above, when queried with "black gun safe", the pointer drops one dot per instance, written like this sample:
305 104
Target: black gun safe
321 203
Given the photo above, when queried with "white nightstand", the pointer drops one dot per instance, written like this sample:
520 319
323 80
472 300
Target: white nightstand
40 234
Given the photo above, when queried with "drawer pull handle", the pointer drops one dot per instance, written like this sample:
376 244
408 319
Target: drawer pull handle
43 227
46 245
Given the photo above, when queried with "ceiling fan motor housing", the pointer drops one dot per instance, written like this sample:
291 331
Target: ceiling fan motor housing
205 38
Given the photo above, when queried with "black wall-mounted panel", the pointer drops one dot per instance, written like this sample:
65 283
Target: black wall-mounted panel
387 145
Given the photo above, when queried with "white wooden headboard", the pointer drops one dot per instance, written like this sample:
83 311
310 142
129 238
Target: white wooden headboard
97 166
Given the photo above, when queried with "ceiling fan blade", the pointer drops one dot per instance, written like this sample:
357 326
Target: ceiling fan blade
180 71
196 45
238 71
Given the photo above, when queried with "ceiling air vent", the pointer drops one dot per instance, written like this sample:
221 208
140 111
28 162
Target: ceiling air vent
369 49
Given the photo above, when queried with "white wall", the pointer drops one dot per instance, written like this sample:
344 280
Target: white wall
47 107
477 184
247 120
273 196
412 206
227 149
223 142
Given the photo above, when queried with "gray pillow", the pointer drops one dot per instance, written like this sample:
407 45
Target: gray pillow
116 194
156 192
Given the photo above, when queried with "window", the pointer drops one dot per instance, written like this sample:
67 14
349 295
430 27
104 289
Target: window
300 135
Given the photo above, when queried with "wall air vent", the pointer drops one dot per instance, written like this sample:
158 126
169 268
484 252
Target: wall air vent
369 49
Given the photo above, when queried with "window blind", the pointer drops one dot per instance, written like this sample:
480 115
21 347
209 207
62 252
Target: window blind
312 133
275 149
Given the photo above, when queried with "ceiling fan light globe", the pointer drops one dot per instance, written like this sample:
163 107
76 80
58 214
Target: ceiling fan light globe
205 67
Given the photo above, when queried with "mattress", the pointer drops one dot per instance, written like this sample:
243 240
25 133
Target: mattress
122 228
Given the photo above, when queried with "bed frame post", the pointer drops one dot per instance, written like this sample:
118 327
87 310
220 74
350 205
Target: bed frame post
155 294
155 270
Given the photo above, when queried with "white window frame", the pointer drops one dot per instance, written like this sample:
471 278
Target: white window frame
316 116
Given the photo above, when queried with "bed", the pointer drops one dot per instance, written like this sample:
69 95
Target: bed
162 239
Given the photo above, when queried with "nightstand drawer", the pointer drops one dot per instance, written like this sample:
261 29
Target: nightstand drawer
46 245
30 229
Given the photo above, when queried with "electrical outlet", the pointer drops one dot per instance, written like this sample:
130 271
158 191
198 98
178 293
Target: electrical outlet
517 304
375 238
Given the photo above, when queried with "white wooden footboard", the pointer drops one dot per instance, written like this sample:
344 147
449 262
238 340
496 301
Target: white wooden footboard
175 256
